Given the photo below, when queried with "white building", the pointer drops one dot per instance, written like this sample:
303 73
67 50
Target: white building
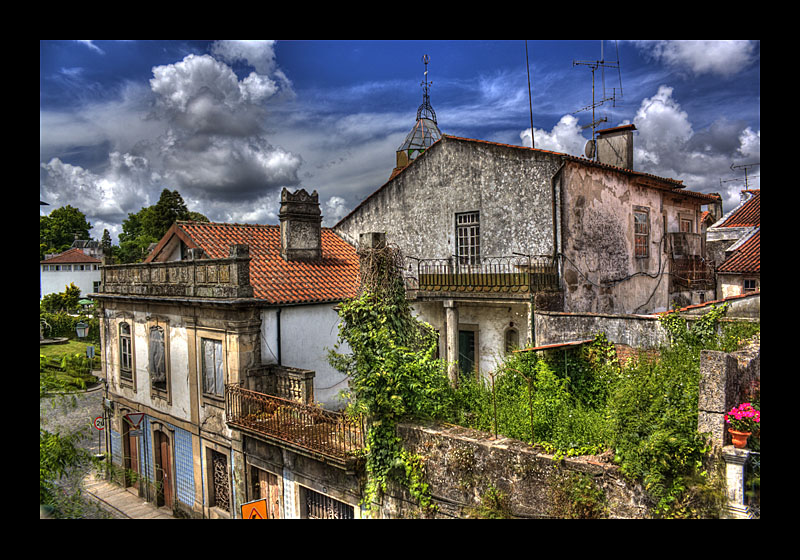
72 266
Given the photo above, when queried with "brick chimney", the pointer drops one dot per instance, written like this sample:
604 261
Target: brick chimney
301 226
615 146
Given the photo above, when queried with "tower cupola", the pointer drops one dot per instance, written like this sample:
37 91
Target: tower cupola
426 130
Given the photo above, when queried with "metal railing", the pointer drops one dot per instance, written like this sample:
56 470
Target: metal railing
516 273
311 428
692 273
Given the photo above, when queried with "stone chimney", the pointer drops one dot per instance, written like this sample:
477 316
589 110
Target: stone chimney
301 226
615 146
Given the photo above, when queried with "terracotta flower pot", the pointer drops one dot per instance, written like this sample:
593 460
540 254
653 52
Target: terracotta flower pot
739 438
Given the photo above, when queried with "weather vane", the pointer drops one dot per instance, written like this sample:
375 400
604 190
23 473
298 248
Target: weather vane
425 109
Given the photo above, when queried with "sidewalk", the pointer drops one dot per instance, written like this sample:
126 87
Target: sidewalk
121 503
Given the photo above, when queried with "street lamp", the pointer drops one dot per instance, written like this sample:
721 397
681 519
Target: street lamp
82 329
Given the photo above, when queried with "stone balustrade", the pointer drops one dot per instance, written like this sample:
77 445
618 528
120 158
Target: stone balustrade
196 277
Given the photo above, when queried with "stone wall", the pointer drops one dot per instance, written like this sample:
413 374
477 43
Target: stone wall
463 466
416 210
637 331
724 382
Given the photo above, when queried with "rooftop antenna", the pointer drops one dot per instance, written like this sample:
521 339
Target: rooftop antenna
593 65
530 99
745 166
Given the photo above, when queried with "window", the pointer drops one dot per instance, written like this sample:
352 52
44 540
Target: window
125 354
468 238
213 367
641 232
749 285
220 490
686 225
158 359
320 506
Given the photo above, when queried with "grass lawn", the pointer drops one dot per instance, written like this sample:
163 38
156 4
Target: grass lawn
56 351
80 377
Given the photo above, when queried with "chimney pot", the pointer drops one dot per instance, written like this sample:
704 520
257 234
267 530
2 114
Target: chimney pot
301 226
615 146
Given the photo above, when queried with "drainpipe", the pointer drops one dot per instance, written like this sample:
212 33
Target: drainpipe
278 315
556 231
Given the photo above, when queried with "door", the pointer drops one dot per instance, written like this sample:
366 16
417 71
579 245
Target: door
130 457
466 352
163 469
266 487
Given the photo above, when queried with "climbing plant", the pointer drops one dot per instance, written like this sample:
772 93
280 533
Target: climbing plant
393 372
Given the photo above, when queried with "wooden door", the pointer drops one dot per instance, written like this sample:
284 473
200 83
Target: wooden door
163 469
131 457
266 487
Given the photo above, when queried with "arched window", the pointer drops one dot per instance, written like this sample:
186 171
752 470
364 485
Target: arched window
512 340
125 352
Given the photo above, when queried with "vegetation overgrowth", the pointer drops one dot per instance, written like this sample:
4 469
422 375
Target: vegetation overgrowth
570 402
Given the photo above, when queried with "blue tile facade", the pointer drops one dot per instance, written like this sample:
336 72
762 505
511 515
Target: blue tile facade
184 466
116 448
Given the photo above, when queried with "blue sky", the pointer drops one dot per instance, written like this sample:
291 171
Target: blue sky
229 123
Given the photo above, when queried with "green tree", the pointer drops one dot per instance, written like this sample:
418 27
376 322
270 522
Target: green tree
64 301
105 241
149 225
59 229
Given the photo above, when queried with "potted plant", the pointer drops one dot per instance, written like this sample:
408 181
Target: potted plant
742 421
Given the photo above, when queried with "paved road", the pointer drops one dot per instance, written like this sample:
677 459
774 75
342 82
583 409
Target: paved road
65 415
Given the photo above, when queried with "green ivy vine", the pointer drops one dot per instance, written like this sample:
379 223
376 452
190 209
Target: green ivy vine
393 374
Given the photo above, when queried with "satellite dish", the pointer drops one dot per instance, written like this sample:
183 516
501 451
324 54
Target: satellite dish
589 149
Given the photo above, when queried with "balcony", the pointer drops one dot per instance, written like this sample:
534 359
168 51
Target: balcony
691 273
517 274
329 436
196 277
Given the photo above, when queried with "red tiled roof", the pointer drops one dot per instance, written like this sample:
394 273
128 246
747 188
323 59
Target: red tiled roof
73 255
745 259
333 278
747 215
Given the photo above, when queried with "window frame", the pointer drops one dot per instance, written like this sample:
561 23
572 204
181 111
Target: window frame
122 337
219 394
468 237
641 232
165 393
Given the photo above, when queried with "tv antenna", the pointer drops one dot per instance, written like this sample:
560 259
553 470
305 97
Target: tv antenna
601 65
745 166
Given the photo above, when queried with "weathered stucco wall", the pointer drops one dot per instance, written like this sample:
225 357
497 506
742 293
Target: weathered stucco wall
600 271
300 349
637 331
417 208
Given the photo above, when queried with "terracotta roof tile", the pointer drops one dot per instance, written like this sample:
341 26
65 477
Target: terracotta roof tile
747 215
745 259
73 255
333 278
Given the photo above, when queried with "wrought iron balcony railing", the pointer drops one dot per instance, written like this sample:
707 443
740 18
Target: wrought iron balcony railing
333 435
515 274
691 273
